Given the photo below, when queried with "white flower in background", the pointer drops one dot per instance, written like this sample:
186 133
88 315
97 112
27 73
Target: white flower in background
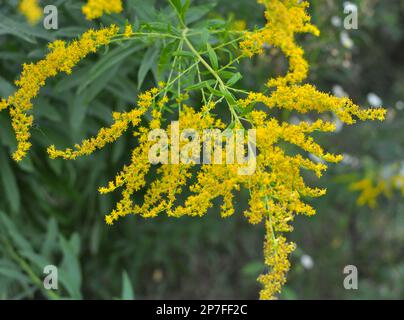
350 160
400 105
374 100
347 63
307 261
339 91
336 21
346 40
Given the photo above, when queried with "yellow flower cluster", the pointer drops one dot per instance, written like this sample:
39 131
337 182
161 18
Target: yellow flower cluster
61 58
276 251
161 195
277 189
97 8
105 135
128 31
239 25
285 18
31 10
277 197
370 190
111 134
306 98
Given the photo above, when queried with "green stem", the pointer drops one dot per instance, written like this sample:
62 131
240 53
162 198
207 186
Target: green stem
222 85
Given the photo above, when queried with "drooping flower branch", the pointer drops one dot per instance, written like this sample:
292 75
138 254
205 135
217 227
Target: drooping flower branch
200 91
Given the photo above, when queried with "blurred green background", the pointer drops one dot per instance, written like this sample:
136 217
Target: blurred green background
50 212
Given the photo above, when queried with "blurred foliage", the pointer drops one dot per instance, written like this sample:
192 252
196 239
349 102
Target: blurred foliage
50 214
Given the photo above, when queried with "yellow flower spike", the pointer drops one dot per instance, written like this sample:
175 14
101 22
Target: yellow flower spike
31 10
284 20
97 8
104 136
306 98
276 252
61 58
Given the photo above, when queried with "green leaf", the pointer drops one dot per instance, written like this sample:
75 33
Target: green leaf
178 5
212 57
148 62
200 85
10 186
253 269
234 79
97 86
127 290
78 110
18 240
185 9
70 273
197 12
215 92
22 30
144 10
108 61
50 238
7 132
13 273
39 261
183 54
6 88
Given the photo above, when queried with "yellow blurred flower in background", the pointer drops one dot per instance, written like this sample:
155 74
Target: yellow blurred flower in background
31 10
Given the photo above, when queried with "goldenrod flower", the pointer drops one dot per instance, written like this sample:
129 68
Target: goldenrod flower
105 135
31 10
239 25
128 31
371 189
277 189
61 58
111 134
96 8
369 192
